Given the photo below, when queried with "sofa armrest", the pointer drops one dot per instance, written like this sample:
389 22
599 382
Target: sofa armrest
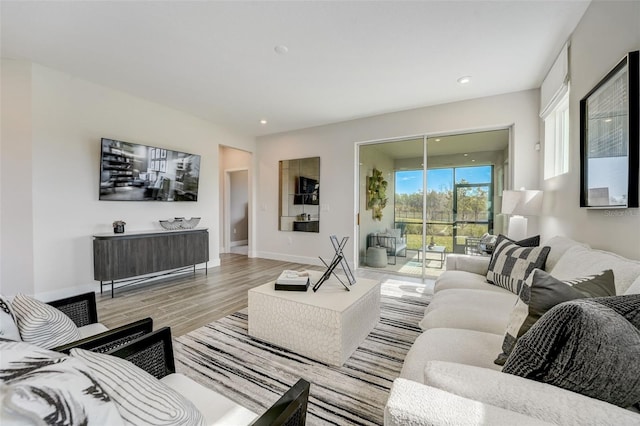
81 308
528 397
111 339
464 262
411 403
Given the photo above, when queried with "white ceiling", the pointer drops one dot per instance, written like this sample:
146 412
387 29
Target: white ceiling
345 60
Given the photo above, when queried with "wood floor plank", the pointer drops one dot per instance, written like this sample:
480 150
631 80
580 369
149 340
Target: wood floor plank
190 301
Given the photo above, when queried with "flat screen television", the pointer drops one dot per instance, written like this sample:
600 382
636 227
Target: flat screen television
134 172
307 191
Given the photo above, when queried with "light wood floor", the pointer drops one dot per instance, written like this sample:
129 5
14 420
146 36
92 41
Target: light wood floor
188 302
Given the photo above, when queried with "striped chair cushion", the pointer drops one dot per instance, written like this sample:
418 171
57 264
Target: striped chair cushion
511 263
42 324
141 398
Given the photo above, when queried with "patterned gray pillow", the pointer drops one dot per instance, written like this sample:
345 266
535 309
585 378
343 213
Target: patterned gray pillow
588 346
511 264
39 386
541 292
141 398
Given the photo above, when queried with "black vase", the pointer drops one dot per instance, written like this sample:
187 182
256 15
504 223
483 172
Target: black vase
118 229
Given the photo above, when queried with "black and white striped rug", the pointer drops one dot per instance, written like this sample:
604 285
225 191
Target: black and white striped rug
222 356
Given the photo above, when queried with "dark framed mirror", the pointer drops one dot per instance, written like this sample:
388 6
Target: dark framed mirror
610 138
299 207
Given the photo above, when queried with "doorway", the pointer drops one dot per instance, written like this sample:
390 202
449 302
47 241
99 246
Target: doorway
238 224
235 200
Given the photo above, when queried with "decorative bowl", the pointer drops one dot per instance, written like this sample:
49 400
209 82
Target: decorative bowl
190 223
171 225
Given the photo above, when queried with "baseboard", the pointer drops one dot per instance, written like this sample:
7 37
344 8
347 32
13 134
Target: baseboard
47 296
289 258
239 243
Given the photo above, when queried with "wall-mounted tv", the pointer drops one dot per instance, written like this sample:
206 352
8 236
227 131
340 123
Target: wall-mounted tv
307 191
134 172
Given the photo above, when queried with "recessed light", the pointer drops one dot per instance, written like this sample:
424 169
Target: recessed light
464 79
281 49
263 121
473 161
608 120
466 155
437 140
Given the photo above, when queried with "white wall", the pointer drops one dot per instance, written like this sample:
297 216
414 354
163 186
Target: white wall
607 31
69 116
335 144
16 217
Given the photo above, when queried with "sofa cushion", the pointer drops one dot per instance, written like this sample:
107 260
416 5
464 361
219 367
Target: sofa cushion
141 398
528 397
91 330
558 245
511 264
216 409
580 260
540 293
467 308
8 327
468 263
411 403
42 324
589 346
464 280
453 345
39 386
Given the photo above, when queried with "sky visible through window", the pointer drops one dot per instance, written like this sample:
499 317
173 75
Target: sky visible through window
410 181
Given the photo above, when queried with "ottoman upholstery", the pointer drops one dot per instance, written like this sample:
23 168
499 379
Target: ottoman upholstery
327 325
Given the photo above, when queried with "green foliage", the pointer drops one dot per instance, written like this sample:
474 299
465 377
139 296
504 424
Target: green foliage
376 193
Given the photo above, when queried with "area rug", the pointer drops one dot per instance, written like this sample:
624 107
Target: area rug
254 374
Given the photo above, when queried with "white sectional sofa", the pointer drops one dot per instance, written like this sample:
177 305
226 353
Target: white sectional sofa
449 376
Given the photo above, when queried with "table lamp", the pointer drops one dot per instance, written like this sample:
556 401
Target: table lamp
517 204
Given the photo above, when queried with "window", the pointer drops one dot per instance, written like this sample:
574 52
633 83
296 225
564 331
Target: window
556 140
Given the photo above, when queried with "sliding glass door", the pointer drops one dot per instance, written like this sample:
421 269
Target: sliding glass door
438 199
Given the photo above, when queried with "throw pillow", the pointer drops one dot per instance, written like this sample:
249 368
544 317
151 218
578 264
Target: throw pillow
540 293
395 233
45 387
42 324
589 346
141 398
511 263
8 327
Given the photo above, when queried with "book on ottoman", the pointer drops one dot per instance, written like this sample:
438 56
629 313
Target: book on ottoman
293 281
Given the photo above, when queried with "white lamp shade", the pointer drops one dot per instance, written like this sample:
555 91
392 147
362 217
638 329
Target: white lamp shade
522 202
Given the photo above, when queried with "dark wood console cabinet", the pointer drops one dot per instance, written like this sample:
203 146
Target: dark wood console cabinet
123 256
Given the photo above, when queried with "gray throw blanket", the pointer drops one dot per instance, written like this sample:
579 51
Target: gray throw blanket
588 346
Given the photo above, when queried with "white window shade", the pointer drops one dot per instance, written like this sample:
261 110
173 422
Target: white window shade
556 84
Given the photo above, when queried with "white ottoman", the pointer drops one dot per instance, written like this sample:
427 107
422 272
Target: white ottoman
377 257
327 325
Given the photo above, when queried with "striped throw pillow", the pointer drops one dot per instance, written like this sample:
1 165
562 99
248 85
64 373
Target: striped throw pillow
42 324
141 398
511 264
